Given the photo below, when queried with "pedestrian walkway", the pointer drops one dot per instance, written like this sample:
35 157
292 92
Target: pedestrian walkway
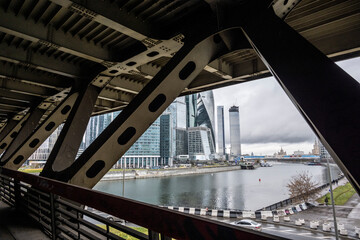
348 214
14 225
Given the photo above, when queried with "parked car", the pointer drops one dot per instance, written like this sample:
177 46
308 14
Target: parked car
247 223
117 220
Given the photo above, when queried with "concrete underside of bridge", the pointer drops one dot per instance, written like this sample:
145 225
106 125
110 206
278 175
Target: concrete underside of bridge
64 61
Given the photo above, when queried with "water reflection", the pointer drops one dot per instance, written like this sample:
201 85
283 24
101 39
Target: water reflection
233 190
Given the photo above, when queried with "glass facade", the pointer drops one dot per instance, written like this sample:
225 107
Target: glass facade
205 116
165 139
220 130
234 119
190 101
177 112
200 143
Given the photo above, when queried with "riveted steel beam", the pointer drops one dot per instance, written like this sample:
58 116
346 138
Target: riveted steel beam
17 86
109 14
22 131
9 137
67 145
100 156
40 134
10 124
126 85
12 103
325 95
38 61
34 76
36 32
24 98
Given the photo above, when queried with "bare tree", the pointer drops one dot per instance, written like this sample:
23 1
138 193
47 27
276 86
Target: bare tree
303 186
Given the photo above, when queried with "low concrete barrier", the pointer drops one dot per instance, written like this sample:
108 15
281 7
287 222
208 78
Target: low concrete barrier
343 232
326 227
238 213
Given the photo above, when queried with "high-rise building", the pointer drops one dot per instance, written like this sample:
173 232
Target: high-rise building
235 142
200 143
205 116
173 126
166 139
316 148
191 111
220 130
145 152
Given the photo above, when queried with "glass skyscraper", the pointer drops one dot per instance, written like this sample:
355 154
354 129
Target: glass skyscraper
220 130
173 126
234 119
205 116
145 152
166 139
200 143
191 111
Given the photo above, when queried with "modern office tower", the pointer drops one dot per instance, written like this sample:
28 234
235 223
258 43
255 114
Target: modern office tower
191 111
235 131
200 143
205 116
145 152
177 112
220 130
166 139
95 126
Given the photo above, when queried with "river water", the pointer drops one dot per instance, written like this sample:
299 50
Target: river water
239 189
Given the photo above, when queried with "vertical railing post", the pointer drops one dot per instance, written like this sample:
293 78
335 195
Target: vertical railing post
53 219
153 235
163 237
17 193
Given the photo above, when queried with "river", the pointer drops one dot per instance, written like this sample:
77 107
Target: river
239 189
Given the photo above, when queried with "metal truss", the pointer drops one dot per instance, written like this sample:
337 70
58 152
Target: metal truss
67 145
118 137
9 137
325 95
40 134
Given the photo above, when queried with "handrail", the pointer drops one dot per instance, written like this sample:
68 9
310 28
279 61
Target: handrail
170 223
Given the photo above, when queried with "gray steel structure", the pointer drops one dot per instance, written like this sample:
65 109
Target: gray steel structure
71 59
234 120
220 130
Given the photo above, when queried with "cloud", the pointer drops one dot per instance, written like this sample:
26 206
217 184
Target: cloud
267 116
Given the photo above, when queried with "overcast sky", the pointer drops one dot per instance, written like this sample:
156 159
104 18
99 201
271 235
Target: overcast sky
268 119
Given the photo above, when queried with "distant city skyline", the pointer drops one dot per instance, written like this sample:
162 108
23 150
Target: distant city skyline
268 119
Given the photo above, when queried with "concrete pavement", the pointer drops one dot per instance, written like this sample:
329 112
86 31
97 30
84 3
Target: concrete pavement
15 225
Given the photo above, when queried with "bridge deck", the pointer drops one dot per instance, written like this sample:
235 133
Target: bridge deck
17 226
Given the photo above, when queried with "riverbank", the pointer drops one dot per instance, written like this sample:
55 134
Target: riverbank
148 173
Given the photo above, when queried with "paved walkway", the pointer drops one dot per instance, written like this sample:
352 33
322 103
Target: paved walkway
348 214
17 226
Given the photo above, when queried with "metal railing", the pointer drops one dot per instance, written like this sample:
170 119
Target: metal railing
58 207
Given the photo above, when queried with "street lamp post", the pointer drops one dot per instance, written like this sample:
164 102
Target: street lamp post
332 200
